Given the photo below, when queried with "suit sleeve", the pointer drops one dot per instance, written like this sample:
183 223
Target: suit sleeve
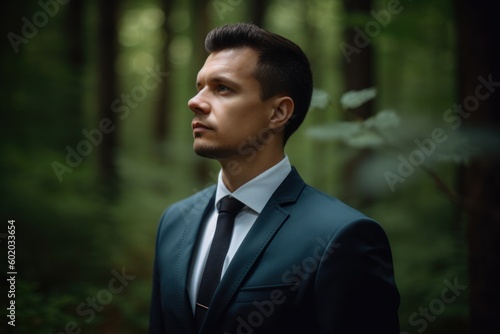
355 288
156 322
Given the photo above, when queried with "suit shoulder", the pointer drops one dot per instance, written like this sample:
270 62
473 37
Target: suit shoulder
195 202
326 213
319 203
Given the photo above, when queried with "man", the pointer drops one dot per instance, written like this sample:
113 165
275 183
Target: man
296 260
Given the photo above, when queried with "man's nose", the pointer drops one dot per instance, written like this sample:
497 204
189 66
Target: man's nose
198 104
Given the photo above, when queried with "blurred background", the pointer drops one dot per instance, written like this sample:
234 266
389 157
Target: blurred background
96 142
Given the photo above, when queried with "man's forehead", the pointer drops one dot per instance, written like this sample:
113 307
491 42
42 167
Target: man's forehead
245 52
240 60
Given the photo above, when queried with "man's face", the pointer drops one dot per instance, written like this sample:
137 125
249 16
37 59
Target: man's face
228 108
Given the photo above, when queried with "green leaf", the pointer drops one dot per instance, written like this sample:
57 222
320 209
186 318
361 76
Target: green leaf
336 131
383 120
355 98
320 99
366 139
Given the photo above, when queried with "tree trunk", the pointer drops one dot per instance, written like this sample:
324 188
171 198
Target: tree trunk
358 74
478 57
108 49
200 28
358 68
161 118
74 34
258 12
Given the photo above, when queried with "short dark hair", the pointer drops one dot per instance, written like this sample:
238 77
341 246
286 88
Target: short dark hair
282 66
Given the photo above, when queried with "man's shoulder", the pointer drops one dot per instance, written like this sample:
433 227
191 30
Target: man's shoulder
192 204
323 213
312 202
202 195
328 204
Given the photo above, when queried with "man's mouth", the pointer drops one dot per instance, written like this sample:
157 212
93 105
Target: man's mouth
200 127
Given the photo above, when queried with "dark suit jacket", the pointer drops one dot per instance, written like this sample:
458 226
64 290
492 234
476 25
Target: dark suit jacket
310 264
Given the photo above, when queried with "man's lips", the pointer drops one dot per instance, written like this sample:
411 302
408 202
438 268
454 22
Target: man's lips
198 127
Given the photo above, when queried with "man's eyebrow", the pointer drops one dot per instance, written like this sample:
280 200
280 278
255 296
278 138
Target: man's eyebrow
220 79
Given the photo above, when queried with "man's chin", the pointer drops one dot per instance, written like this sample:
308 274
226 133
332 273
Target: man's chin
214 152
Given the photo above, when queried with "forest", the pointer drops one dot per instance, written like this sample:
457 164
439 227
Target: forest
96 142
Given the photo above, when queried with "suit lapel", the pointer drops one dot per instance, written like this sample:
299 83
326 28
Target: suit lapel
193 216
262 232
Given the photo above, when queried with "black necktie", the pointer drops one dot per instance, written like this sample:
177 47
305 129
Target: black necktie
228 209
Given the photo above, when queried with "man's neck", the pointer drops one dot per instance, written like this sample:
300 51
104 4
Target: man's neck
238 171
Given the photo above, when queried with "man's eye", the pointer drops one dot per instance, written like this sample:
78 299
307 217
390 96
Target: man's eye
222 88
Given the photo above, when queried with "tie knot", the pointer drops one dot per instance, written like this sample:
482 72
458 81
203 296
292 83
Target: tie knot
230 205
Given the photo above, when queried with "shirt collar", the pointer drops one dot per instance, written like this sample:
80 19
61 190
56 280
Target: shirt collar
256 193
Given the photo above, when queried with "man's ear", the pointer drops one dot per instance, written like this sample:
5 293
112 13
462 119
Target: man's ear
282 111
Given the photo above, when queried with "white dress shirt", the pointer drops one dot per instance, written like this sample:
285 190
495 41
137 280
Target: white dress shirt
254 194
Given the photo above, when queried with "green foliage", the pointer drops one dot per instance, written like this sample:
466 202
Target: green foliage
388 132
36 310
359 134
354 99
